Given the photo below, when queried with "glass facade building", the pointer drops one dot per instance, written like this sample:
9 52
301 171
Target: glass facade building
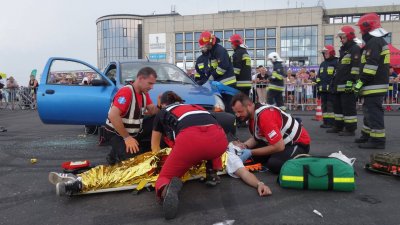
119 37
259 41
299 45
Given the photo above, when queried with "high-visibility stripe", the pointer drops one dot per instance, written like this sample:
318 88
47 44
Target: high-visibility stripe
330 70
247 58
275 87
214 63
243 83
200 65
229 80
369 72
343 180
236 70
196 75
293 178
371 67
377 135
369 92
220 71
387 59
346 59
277 75
355 70
363 60
321 70
374 89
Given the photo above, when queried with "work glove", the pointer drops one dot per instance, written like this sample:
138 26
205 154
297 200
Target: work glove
349 87
245 154
358 87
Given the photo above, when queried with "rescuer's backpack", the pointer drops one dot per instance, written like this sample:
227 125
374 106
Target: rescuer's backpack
385 163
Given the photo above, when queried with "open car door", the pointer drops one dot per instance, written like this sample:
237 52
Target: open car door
73 92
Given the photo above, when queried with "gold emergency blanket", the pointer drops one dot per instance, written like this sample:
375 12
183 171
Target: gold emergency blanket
140 170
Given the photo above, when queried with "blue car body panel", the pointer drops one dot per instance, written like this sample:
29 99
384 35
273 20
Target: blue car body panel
89 105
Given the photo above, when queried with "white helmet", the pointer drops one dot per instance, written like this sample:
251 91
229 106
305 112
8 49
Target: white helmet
358 41
273 56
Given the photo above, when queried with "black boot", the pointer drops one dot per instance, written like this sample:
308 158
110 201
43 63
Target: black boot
361 139
171 198
346 133
68 188
212 179
372 145
334 130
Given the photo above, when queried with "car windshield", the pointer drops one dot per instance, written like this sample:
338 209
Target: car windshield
166 73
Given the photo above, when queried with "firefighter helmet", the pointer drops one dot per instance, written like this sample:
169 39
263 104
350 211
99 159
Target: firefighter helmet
348 32
371 23
330 49
236 40
273 56
206 38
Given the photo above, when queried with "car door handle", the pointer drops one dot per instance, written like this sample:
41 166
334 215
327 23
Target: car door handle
50 92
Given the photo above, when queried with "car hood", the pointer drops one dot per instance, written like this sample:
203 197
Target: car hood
191 93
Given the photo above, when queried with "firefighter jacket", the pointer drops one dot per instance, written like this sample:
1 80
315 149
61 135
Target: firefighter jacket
202 68
133 119
348 67
375 62
326 73
221 67
242 67
277 78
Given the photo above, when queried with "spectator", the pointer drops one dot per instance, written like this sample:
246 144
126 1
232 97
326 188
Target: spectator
299 99
1 87
261 84
302 74
12 86
87 80
33 85
290 85
392 92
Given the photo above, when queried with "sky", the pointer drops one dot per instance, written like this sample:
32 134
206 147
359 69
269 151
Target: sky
31 31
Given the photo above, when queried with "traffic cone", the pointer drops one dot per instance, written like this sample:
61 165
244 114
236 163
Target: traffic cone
318 112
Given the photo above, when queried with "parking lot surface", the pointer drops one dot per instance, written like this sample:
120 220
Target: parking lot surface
27 197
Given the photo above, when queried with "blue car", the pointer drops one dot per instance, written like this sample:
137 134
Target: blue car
74 92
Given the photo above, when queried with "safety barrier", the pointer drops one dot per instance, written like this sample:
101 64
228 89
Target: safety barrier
18 98
304 97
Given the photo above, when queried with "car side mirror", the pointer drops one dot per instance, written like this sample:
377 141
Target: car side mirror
99 83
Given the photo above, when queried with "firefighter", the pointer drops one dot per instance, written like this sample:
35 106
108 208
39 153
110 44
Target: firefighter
196 136
276 81
276 135
202 67
324 79
347 72
221 69
374 81
241 62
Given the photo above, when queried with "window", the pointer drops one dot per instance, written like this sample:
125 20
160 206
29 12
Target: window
70 73
260 33
218 34
189 36
105 52
328 40
125 52
271 32
228 34
178 47
124 32
189 46
249 33
260 43
179 56
178 37
355 19
394 17
250 43
271 42
197 36
260 53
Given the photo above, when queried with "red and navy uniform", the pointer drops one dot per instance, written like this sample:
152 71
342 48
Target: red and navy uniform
197 136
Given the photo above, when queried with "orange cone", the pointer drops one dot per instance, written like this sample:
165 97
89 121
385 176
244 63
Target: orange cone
318 113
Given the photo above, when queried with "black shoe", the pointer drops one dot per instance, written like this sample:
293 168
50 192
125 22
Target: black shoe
68 188
212 179
372 145
325 126
171 198
2 129
334 130
361 140
347 133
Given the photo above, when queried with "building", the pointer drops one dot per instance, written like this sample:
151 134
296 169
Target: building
297 34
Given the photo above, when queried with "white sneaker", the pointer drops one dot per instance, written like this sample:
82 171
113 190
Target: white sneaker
55 178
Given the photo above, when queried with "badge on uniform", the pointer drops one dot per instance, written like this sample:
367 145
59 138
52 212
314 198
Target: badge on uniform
121 100
272 134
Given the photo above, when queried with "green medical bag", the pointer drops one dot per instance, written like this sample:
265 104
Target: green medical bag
317 173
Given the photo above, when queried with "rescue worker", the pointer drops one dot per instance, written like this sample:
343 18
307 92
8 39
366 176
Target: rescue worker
276 135
221 69
373 82
181 122
125 117
324 80
347 72
202 67
241 62
276 85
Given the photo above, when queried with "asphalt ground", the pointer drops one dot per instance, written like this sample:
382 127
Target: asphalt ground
26 196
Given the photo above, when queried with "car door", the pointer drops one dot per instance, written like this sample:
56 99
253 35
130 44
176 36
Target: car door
73 92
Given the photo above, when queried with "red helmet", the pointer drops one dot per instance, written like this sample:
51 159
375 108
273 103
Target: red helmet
330 49
236 40
206 38
369 22
347 31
